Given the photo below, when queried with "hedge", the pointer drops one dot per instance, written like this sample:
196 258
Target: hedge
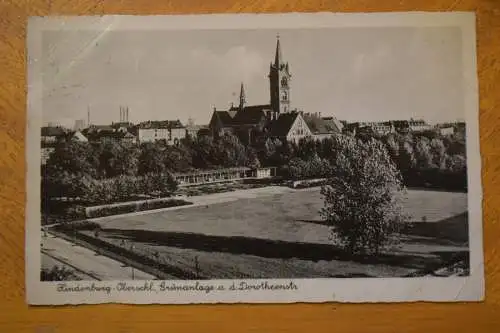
131 207
103 191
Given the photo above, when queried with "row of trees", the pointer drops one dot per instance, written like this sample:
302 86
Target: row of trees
429 161
423 160
114 172
103 161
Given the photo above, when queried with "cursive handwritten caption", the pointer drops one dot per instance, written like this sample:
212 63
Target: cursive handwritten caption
165 287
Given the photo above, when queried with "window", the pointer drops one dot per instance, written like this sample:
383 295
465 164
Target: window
284 96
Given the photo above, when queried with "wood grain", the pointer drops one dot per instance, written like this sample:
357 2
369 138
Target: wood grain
16 316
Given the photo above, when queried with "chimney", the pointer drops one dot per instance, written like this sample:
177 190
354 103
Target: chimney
88 116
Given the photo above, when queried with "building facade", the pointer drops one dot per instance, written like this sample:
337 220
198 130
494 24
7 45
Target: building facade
169 131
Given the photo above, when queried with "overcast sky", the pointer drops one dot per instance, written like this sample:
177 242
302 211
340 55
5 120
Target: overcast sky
351 73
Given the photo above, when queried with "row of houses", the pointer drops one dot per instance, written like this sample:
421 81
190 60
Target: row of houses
169 131
399 126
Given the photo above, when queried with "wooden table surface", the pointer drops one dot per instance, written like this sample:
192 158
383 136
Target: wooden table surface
16 316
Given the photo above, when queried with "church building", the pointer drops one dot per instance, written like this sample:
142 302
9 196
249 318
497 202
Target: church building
274 120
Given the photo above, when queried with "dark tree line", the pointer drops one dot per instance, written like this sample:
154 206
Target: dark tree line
424 160
103 161
102 173
428 160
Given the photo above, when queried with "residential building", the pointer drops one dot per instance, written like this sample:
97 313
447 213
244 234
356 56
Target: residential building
448 130
52 135
322 127
290 127
169 131
419 126
122 126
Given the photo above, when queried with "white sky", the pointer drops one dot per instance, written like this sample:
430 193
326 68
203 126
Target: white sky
352 73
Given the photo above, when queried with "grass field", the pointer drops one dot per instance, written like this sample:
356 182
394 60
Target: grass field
281 234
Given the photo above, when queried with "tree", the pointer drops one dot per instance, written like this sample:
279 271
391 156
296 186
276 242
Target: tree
252 158
203 150
112 160
438 153
151 159
230 151
423 153
177 158
297 168
406 157
128 162
363 196
73 157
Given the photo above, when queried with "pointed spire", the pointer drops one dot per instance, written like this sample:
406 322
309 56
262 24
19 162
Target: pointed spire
278 58
242 96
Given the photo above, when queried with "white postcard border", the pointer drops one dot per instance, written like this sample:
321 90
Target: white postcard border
436 289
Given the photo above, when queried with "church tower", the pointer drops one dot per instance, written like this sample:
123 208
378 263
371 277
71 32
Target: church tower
279 81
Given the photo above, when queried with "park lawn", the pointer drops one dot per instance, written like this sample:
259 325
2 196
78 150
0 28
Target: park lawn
292 216
281 235
225 265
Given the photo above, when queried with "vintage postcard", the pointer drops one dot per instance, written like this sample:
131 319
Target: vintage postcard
253 158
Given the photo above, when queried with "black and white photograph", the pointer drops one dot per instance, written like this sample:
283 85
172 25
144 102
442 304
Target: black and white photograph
253 158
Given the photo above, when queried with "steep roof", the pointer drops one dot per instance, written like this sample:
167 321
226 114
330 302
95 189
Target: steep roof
334 124
110 134
163 124
278 57
319 125
122 124
52 131
252 114
223 118
417 122
282 126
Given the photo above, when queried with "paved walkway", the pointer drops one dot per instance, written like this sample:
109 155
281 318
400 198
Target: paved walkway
98 266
